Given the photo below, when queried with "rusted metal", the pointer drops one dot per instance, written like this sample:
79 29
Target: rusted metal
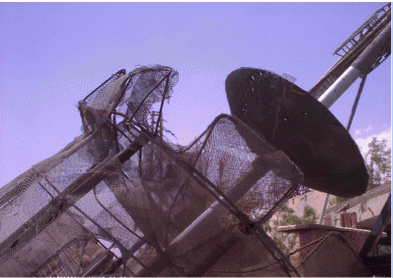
333 256
376 233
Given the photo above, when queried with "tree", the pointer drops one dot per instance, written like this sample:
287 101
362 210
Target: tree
378 162
285 217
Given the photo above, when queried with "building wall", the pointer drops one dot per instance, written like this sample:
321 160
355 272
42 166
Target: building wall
314 199
365 210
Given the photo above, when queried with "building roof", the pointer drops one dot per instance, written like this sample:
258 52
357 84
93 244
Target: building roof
380 190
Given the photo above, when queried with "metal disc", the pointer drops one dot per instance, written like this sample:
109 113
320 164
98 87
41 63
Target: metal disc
298 124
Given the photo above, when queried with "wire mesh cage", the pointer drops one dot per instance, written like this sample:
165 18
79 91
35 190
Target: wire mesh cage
122 200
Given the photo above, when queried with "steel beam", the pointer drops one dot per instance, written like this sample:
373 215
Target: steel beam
361 66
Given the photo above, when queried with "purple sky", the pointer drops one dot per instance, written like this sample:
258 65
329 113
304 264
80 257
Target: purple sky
53 54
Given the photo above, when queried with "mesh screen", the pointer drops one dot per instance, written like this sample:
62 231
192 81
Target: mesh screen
121 200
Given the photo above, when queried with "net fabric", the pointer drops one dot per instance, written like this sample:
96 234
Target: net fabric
256 183
71 259
43 193
20 215
148 87
153 200
94 108
100 92
245 256
232 149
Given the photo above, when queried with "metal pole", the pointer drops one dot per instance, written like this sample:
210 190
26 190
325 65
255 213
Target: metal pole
324 209
355 105
208 223
339 86
362 65
380 225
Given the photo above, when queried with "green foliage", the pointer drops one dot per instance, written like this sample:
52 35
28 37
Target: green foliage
309 215
332 202
340 200
378 160
291 219
286 217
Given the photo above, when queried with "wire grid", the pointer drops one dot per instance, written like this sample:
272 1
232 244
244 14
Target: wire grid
79 257
147 87
96 96
51 190
223 162
161 201
227 154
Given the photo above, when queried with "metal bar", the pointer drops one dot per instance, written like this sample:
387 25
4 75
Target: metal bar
324 209
65 265
286 196
362 65
216 253
339 86
374 50
72 260
159 119
115 241
276 252
208 219
81 258
92 267
377 230
355 105
367 24
35 171
92 221
81 186
120 72
343 63
148 94
196 231
114 217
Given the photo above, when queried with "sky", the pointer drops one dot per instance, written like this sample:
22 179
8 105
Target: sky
53 54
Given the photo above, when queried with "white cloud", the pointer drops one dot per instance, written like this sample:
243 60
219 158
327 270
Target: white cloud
358 132
363 142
